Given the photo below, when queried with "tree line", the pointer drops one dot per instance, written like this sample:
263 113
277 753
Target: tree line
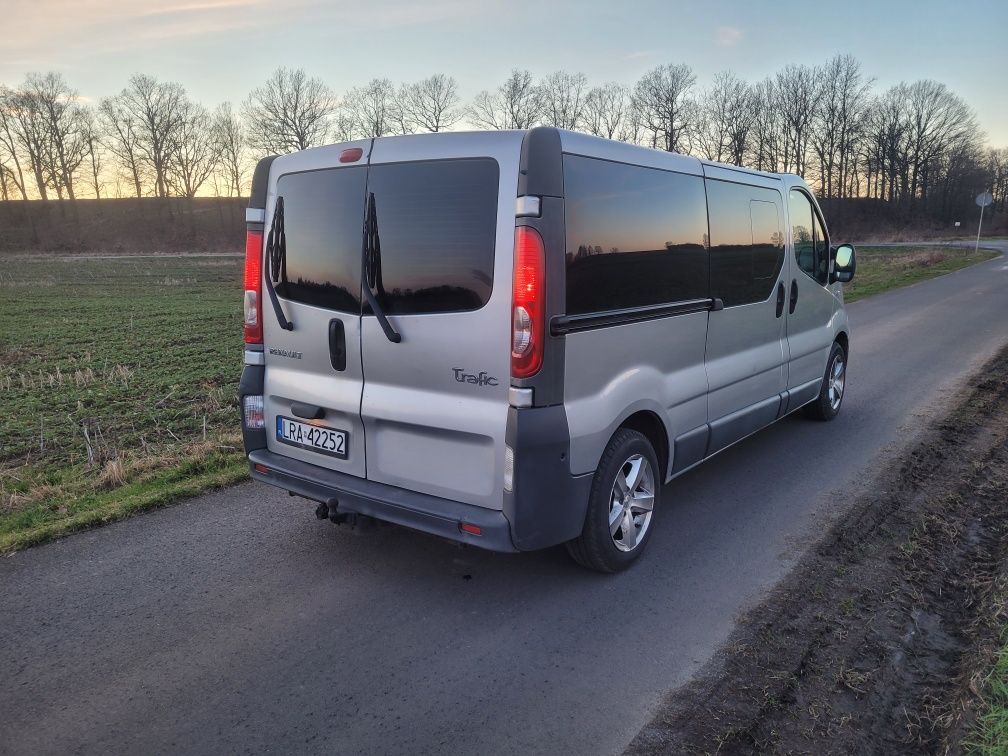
916 146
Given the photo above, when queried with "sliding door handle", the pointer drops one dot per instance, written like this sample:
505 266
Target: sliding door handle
794 296
780 298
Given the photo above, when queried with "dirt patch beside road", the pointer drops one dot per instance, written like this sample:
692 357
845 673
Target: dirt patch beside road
879 639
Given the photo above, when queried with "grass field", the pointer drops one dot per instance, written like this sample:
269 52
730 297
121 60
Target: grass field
118 380
118 386
990 734
882 268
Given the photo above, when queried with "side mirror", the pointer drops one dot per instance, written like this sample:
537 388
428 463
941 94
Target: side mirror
844 263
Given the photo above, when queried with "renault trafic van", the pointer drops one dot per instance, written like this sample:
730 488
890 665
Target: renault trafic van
514 339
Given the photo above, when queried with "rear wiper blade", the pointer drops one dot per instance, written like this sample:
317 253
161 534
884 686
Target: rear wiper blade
371 270
276 261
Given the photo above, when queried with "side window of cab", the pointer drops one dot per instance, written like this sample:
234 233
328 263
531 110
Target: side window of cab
811 246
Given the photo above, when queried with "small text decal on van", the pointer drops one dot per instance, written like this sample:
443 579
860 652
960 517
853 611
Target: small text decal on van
294 355
481 379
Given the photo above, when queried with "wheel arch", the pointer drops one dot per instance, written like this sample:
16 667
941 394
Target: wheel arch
652 427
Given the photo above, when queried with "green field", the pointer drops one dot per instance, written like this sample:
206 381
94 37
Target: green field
118 383
882 268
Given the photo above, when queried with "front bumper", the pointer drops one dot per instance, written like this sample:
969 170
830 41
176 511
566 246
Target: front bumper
430 514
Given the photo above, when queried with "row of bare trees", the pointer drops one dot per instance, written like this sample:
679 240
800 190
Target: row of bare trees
915 145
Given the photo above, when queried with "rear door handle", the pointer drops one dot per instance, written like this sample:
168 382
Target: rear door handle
794 296
337 344
780 298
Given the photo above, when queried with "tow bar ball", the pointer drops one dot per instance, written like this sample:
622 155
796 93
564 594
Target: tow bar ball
325 510
331 511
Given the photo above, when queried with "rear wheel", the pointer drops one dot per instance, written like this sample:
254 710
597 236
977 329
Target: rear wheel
827 405
621 505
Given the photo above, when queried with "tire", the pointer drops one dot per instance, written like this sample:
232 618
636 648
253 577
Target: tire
629 457
826 406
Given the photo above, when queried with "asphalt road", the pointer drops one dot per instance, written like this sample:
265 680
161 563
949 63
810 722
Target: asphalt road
238 622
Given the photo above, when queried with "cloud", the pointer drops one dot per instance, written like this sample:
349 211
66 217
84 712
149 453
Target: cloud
639 55
728 36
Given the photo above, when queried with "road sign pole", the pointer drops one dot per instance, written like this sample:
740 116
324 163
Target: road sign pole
983 199
979 226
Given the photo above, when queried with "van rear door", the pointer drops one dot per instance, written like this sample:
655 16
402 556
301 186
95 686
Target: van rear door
434 406
313 377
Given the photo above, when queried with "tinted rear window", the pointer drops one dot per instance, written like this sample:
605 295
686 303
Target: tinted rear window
323 217
747 241
437 223
635 236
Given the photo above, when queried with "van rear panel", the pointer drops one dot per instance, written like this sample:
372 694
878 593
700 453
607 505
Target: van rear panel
427 413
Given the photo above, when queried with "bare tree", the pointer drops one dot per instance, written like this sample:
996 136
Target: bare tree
122 139
727 111
838 122
8 143
373 109
54 102
430 104
192 150
94 150
28 126
156 110
605 109
563 99
229 138
661 97
515 104
938 120
797 90
290 112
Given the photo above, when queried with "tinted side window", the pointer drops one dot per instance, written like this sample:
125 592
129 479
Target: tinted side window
437 224
323 217
635 236
810 245
746 241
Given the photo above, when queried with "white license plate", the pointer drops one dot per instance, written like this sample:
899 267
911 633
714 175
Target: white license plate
317 438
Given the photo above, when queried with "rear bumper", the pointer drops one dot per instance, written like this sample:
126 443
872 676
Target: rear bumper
430 514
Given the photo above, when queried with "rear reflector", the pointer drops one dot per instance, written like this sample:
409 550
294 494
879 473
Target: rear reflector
465 527
351 155
252 405
261 469
253 287
528 299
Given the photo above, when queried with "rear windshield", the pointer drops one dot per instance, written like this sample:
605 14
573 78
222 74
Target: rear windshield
323 220
437 224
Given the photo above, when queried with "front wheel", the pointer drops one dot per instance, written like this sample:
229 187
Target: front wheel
827 405
624 494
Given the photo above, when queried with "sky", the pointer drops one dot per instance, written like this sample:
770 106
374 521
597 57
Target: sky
220 49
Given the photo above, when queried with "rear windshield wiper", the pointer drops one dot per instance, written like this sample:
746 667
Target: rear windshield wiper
371 270
276 260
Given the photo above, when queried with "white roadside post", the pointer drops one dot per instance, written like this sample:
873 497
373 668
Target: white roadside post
983 199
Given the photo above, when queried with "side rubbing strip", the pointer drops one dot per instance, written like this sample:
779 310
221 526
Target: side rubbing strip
562 324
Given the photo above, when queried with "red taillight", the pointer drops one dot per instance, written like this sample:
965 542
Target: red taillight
253 287
528 300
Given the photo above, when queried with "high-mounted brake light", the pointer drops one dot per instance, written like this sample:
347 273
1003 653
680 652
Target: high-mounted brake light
253 287
528 298
351 155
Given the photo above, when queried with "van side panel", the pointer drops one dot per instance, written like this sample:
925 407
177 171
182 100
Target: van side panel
656 365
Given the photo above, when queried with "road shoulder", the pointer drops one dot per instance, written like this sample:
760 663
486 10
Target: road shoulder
878 637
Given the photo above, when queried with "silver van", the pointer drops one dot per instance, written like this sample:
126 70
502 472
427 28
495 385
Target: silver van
513 339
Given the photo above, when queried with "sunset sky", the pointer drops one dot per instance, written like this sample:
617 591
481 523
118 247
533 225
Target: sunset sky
219 49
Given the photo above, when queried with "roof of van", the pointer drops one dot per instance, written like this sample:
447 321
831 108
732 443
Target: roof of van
592 146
